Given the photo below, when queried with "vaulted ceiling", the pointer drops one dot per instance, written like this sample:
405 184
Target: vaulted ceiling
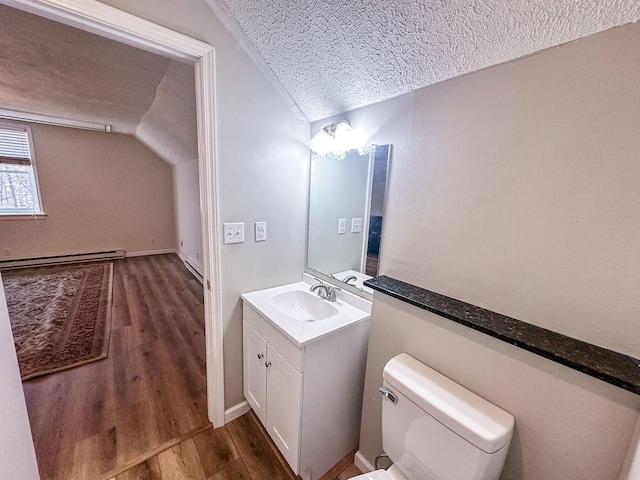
335 55
53 69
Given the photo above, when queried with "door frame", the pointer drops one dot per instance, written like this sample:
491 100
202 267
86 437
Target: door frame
107 21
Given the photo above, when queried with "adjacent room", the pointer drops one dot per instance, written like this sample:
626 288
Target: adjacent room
320 241
101 245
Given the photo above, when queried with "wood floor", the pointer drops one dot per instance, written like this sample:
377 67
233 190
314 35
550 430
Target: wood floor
241 450
93 421
141 414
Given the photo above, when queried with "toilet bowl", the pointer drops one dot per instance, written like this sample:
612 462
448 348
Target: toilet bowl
391 474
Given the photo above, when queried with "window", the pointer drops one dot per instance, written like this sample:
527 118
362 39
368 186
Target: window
18 181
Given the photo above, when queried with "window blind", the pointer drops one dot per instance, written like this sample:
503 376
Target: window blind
14 146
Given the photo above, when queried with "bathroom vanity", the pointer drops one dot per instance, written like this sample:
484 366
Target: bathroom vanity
304 361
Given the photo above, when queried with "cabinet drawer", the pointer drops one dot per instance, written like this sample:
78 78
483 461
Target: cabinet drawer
291 352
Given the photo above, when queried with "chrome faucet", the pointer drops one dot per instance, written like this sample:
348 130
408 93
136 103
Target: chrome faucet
325 291
349 278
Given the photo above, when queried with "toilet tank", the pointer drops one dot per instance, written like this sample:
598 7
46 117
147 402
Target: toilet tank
437 429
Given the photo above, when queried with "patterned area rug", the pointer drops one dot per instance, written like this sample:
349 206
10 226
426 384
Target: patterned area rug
60 316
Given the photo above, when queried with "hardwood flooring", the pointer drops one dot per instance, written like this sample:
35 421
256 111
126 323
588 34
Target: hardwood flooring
242 450
96 420
141 414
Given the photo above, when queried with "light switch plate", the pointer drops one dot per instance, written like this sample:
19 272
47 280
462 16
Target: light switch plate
260 231
233 232
356 225
342 226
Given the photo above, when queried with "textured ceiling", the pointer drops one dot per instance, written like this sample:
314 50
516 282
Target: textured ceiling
336 55
53 69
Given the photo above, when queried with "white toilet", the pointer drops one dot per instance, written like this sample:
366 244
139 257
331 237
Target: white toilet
435 429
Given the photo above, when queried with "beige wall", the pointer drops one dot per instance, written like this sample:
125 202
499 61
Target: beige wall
263 165
517 189
100 191
632 468
569 426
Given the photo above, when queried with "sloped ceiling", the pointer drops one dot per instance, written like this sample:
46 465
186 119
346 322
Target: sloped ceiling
333 56
53 69
175 101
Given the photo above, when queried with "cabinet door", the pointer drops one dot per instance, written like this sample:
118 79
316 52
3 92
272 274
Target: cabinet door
284 400
255 372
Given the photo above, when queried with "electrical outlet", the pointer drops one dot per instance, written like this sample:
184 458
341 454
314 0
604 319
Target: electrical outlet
260 231
356 225
342 226
233 232
153 240
181 244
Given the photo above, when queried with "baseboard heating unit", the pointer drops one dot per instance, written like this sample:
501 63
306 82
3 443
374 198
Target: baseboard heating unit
195 270
44 260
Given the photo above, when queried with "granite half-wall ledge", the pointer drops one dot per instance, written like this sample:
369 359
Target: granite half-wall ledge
612 367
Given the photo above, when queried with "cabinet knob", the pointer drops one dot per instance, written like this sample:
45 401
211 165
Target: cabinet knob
267 364
260 356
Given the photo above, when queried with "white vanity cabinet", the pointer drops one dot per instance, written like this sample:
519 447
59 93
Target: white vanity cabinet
308 397
273 388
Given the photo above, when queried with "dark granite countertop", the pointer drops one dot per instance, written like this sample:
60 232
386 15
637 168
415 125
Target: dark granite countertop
615 368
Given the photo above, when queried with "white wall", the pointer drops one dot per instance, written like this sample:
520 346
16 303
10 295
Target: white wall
100 191
187 207
338 189
263 170
18 458
517 189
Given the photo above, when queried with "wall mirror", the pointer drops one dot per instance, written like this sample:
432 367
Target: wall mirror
346 203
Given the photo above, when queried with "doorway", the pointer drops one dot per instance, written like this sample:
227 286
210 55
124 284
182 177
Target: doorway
114 24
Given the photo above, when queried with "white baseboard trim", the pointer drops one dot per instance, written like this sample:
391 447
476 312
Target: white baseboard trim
362 463
236 411
150 252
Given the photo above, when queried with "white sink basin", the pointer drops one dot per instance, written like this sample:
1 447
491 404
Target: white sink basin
303 306
304 317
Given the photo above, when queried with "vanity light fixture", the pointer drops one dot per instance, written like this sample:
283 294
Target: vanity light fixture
336 139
